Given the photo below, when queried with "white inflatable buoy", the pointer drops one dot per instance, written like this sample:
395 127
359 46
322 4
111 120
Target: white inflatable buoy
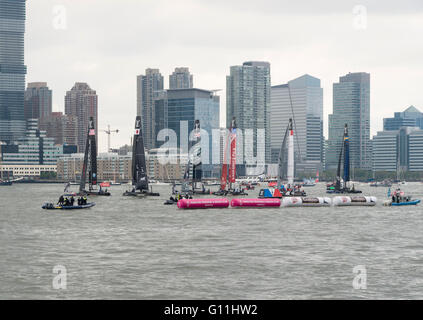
306 202
354 201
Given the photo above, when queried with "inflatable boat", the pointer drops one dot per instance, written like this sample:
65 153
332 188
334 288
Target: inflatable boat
51 206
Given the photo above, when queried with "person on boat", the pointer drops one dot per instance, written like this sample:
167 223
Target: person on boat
61 200
84 200
72 201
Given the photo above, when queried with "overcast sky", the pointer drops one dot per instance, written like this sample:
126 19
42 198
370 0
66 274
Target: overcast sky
107 43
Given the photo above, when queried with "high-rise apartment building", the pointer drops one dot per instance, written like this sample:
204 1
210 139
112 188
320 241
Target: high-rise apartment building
351 106
12 70
181 79
38 101
248 100
82 102
62 128
302 100
147 85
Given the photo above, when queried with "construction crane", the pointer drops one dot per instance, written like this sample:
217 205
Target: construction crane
109 133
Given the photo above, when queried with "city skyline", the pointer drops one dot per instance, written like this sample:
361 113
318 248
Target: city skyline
336 48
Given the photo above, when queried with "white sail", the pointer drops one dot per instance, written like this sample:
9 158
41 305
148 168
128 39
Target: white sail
290 171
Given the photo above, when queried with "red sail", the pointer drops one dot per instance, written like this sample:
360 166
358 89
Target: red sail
232 167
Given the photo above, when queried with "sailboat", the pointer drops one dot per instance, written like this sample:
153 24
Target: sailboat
139 168
90 164
197 165
341 185
286 168
233 190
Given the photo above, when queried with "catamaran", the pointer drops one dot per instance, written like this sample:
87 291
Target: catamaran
90 164
342 185
233 189
140 186
285 169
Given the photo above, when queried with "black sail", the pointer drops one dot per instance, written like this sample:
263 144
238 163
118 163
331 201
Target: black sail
90 159
139 168
197 172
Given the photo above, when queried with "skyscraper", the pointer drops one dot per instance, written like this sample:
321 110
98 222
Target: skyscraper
181 79
248 99
187 105
82 102
351 105
146 86
12 70
38 101
306 96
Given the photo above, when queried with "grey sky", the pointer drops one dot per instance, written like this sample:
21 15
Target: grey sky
108 42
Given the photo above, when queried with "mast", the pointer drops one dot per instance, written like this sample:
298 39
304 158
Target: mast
139 169
282 160
290 172
232 166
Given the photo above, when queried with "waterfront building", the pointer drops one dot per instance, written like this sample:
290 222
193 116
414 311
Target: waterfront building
398 150
351 106
147 85
82 102
38 101
302 100
411 117
12 70
181 79
248 100
33 149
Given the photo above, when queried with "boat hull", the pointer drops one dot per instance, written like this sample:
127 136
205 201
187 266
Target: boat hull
406 203
51 206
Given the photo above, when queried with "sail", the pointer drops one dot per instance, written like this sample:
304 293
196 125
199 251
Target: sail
139 168
346 155
197 171
88 158
92 177
232 166
290 169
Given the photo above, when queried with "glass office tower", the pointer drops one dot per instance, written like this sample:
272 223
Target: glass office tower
12 69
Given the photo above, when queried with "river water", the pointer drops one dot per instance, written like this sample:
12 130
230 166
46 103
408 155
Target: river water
125 248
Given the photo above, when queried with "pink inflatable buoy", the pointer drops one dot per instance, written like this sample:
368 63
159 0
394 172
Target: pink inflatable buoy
202 203
256 203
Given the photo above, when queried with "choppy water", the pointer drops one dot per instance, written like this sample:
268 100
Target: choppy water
128 248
